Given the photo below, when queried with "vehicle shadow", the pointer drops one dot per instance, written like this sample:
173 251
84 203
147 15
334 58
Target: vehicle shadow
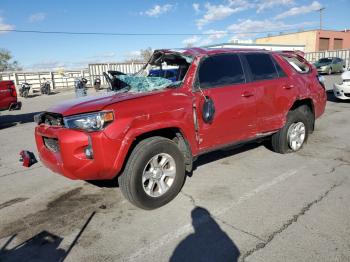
7 121
208 242
42 247
200 161
223 153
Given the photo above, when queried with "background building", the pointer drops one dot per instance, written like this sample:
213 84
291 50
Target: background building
314 40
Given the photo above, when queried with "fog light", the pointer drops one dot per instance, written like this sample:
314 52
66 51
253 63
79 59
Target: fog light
89 153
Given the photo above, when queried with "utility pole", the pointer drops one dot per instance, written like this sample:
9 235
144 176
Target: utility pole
321 10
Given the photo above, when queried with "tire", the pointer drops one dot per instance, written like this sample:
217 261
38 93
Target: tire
299 118
133 183
25 94
329 72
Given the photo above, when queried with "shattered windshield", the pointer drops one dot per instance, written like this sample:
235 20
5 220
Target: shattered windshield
164 70
137 84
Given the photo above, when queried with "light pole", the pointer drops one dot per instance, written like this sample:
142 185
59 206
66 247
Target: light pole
321 10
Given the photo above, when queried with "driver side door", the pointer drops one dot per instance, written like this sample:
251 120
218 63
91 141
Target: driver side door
221 78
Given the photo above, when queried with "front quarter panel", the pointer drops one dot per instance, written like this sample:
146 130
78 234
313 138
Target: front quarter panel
170 109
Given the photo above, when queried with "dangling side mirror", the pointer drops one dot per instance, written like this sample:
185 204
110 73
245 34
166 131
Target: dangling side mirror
208 110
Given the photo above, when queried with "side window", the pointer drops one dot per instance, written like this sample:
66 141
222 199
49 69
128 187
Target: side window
220 70
279 69
261 66
298 64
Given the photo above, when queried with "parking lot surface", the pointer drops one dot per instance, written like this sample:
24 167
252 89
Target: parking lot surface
243 204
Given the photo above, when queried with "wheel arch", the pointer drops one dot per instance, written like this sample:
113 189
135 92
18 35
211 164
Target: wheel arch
173 133
309 103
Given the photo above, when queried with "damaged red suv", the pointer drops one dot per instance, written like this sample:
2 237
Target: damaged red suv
150 131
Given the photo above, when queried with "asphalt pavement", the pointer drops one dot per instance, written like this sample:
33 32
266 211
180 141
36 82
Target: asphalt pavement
243 204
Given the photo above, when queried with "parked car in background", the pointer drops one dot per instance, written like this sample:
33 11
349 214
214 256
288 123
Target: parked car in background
148 133
330 65
8 96
342 90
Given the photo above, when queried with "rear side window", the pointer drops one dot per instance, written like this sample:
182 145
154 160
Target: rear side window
298 64
220 70
261 66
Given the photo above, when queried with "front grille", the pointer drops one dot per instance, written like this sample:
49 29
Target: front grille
51 119
51 144
347 94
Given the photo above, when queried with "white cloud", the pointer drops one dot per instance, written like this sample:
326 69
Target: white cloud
214 35
300 10
250 28
196 7
220 12
266 4
4 26
191 41
210 37
158 10
37 17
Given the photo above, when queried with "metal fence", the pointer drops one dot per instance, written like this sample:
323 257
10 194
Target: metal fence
59 80
342 53
65 79
96 70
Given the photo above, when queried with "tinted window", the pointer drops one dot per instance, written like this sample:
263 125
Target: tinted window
220 70
261 66
279 69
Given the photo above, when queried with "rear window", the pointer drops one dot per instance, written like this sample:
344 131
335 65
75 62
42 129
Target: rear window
298 64
261 66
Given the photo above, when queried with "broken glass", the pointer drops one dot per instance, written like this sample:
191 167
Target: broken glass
139 84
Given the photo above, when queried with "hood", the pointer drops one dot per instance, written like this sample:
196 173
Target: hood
345 75
93 103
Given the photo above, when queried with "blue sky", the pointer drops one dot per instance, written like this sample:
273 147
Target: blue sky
223 19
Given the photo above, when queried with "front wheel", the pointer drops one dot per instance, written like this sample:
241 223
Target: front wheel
154 173
329 72
295 132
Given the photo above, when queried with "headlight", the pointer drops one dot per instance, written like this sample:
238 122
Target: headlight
323 67
89 122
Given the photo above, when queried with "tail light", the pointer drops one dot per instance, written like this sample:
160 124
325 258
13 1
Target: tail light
13 91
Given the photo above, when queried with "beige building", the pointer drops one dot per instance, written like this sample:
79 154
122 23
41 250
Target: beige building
314 40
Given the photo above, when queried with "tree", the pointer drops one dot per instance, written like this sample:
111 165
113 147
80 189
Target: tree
141 56
5 61
146 54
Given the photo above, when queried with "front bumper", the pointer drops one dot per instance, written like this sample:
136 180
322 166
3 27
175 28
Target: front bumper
342 91
322 71
63 151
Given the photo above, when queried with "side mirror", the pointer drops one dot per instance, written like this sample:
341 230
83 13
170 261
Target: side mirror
208 110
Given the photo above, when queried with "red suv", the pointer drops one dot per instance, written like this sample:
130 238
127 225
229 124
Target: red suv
149 132
8 96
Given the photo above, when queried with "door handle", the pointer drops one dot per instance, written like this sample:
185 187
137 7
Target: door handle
247 94
288 87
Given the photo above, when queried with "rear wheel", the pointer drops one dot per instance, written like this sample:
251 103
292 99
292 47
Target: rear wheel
154 173
25 93
294 134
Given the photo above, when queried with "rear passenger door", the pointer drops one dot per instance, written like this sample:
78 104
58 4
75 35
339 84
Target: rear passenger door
272 88
221 78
